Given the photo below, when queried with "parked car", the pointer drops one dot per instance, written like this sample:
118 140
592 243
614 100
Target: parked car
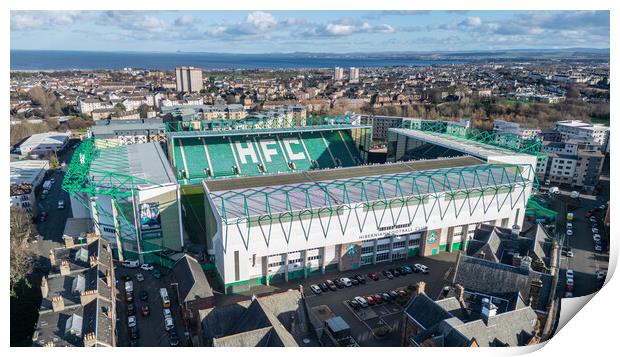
601 274
331 285
346 282
354 304
568 294
594 230
146 310
156 273
360 300
596 237
131 309
422 268
406 270
570 281
61 204
134 334
569 232
131 263
167 313
146 267
316 289
324 287
374 276
393 294
395 272
128 296
43 216
377 298
361 279
131 321
139 277
598 248
144 296
570 274
385 296
174 339
387 274
401 293
354 281
339 284
569 252
370 300
168 323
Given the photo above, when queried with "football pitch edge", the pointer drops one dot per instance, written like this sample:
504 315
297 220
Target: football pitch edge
192 200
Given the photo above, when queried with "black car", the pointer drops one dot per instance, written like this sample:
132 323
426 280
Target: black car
128 296
127 277
339 283
361 279
131 309
144 296
174 338
354 304
354 281
392 294
387 274
324 287
395 272
134 334
43 216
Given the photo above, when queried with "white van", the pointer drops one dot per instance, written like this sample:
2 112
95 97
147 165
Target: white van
165 299
131 263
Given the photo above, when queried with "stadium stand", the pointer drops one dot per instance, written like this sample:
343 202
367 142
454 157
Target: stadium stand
251 155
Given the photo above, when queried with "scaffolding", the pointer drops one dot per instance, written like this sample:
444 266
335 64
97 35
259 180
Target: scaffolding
388 199
505 141
102 168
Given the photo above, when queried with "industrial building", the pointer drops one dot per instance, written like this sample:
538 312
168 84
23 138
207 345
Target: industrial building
44 144
26 176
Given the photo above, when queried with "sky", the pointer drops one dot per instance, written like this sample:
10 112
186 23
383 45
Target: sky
307 31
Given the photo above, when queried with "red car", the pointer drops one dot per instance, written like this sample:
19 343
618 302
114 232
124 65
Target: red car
377 298
401 293
331 285
373 276
370 300
146 311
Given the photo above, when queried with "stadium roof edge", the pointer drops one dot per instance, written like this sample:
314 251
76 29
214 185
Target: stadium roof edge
237 132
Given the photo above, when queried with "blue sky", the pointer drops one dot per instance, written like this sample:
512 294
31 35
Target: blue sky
308 31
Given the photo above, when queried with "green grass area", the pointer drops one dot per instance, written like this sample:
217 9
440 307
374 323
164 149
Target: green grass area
192 200
600 120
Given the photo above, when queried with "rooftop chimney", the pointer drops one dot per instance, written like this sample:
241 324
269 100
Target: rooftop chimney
93 260
108 278
516 260
535 287
65 268
87 296
480 254
69 241
58 303
90 339
44 287
52 257
526 262
488 310
459 291
421 287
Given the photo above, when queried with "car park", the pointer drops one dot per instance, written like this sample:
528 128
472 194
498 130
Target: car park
131 321
146 267
387 274
331 285
422 268
316 289
360 300
361 279
139 277
324 287
374 276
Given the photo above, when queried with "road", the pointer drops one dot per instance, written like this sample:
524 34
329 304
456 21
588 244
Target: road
585 261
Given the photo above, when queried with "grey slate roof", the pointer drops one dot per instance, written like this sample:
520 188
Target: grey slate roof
426 312
192 280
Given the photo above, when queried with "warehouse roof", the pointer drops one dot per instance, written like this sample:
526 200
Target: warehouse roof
49 138
27 171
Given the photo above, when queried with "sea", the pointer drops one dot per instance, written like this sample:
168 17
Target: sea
37 60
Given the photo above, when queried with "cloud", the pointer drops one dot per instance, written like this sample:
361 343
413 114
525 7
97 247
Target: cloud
43 20
473 21
345 28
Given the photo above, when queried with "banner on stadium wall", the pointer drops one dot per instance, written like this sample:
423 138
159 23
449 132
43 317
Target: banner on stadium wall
150 216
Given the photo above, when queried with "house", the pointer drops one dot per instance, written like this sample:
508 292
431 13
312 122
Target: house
194 290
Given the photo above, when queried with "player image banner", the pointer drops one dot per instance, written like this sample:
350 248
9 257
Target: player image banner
149 216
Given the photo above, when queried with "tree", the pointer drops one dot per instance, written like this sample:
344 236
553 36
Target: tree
572 92
21 251
143 109
54 164
119 108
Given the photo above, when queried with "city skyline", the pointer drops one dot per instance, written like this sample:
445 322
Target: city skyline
307 31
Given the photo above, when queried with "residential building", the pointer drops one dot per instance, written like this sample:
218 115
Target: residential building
126 132
189 79
193 289
577 129
78 306
338 74
506 127
26 176
354 75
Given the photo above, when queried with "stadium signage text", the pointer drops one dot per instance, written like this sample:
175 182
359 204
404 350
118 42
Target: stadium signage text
394 232
268 148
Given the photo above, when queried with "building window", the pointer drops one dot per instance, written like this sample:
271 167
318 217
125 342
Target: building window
400 244
381 247
367 250
383 256
414 242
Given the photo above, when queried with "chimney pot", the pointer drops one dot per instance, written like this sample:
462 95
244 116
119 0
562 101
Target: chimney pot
421 287
65 268
44 287
58 303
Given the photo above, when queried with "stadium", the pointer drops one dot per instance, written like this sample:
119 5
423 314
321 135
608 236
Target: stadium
272 201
